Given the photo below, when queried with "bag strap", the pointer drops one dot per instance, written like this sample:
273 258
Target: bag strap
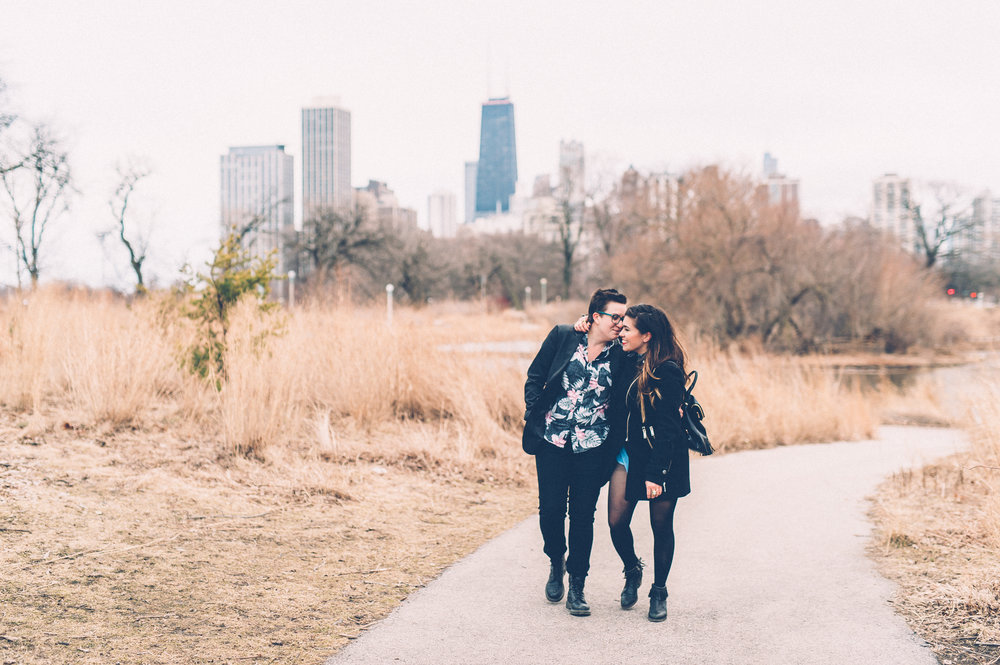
693 381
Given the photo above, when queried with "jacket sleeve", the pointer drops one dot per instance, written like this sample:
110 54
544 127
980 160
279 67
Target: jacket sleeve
666 423
538 370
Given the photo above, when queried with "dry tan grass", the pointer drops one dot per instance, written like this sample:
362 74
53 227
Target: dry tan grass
760 401
939 536
150 518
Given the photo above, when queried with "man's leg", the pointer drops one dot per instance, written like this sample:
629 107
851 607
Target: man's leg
551 465
584 488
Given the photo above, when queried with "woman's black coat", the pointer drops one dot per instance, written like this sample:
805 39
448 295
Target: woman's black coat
662 456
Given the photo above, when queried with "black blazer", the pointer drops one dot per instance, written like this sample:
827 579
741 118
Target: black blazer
544 388
661 457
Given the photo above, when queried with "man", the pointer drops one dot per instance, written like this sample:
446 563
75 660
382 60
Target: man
574 397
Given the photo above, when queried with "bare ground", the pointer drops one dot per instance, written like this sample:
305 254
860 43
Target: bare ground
139 547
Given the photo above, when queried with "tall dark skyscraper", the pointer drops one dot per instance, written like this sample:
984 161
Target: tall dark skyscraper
497 172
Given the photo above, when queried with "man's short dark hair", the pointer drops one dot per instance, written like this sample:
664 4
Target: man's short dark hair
599 301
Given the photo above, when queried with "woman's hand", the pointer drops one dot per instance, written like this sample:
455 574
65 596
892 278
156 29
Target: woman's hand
582 325
653 490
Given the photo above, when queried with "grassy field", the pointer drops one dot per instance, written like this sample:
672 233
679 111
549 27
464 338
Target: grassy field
147 517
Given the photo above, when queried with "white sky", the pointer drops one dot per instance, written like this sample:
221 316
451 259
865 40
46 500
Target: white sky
840 92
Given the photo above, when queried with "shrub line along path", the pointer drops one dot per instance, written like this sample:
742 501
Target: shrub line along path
770 567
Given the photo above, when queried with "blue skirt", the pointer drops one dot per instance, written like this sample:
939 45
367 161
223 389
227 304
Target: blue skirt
623 458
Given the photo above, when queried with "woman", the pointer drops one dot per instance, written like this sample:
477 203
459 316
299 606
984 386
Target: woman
653 465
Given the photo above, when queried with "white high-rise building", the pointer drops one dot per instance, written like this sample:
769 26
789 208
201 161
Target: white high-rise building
984 237
571 171
441 214
257 187
891 195
326 159
471 173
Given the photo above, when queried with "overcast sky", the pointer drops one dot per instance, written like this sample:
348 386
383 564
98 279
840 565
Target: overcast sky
840 92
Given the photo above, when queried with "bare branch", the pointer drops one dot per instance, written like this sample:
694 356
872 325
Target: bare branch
37 193
137 248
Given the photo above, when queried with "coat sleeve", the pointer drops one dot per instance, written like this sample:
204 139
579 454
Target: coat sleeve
538 370
666 423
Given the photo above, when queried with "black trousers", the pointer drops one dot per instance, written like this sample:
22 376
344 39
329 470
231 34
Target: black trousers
568 479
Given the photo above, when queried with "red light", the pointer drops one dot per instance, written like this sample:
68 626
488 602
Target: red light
951 292
972 295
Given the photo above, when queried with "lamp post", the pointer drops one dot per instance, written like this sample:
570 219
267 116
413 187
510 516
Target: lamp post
388 304
291 289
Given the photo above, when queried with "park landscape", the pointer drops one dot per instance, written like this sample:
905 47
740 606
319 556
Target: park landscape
149 514
233 463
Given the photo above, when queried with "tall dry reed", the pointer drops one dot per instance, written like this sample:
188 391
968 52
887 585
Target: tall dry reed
983 424
341 380
759 400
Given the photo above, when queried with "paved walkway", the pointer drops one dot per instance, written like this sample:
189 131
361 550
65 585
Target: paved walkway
770 568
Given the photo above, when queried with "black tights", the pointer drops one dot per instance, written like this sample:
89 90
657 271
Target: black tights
661 519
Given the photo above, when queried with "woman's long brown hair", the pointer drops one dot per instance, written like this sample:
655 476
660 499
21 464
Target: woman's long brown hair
662 346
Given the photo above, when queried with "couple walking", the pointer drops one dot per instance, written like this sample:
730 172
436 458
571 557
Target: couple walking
604 404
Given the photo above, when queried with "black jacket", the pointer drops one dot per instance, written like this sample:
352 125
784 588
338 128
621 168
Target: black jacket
661 456
544 388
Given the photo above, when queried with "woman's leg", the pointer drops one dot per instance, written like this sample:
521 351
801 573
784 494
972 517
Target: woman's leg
661 518
620 517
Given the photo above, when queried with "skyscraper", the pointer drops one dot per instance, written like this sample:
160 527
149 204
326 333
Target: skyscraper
496 176
770 165
891 209
257 186
441 216
471 169
571 171
778 190
326 159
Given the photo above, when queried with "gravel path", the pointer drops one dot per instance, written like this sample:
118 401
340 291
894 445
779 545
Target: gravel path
770 568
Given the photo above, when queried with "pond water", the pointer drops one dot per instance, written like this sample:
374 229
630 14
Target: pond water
984 365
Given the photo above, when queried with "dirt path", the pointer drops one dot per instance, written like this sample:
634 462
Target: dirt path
770 568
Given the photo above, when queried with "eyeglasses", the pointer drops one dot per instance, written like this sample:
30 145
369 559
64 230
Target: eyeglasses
615 318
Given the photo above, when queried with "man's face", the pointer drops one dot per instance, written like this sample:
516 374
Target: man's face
608 321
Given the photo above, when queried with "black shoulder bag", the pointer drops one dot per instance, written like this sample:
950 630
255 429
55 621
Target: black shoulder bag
691 416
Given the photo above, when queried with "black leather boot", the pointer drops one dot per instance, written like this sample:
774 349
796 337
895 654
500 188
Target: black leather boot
658 603
554 588
575 602
633 580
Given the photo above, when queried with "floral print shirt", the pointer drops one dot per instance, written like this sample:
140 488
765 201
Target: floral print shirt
579 418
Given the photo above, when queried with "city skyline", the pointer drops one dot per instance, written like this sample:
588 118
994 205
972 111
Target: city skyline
841 93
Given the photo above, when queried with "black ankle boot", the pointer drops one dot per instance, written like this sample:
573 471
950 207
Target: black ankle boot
575 602
658 603
554 588
633 580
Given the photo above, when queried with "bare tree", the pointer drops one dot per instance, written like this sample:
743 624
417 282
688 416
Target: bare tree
138 246
569 224
334 240
37 193
946 216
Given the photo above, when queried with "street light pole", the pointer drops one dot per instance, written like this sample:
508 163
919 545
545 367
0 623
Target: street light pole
388 304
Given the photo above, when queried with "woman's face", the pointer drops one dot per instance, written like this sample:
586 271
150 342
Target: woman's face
632 339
